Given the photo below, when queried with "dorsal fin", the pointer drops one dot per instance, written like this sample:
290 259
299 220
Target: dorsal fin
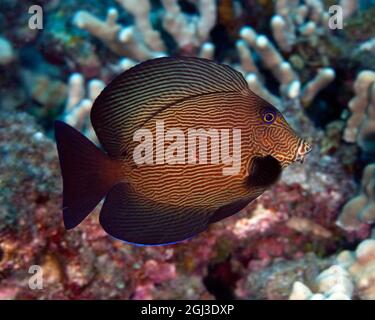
141 92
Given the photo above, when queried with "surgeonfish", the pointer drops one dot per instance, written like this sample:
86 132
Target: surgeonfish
185 143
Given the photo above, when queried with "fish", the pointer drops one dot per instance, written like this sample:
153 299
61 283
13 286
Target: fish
184 143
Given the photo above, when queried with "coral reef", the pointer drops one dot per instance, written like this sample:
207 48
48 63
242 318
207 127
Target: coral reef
6 51
360 209
137 42
141 41
349 7
79 103
86 263
21 171
351 276
275 281
360 265
286 244
121 41
360 127
293 23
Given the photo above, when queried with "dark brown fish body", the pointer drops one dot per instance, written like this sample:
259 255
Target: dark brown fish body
170 198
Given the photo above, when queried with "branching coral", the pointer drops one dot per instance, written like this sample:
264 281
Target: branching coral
360 209
275 281
334 283
360 127
79 103
361 266
86 263
349 7
368 45
141 41
293 23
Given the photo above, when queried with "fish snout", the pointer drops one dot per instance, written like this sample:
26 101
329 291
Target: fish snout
303 149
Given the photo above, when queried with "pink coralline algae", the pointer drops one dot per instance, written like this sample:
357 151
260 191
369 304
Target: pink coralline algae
158 273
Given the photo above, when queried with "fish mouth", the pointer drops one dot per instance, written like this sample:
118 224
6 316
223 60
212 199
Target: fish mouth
303 149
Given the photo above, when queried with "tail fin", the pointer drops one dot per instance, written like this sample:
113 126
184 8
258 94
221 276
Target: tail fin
88 174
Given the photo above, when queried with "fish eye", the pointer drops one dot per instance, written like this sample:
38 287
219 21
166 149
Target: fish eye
268 116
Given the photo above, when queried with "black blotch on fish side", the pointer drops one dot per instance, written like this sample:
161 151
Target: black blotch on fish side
264 171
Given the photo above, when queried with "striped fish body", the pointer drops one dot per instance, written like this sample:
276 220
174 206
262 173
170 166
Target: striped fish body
169 197
203 183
